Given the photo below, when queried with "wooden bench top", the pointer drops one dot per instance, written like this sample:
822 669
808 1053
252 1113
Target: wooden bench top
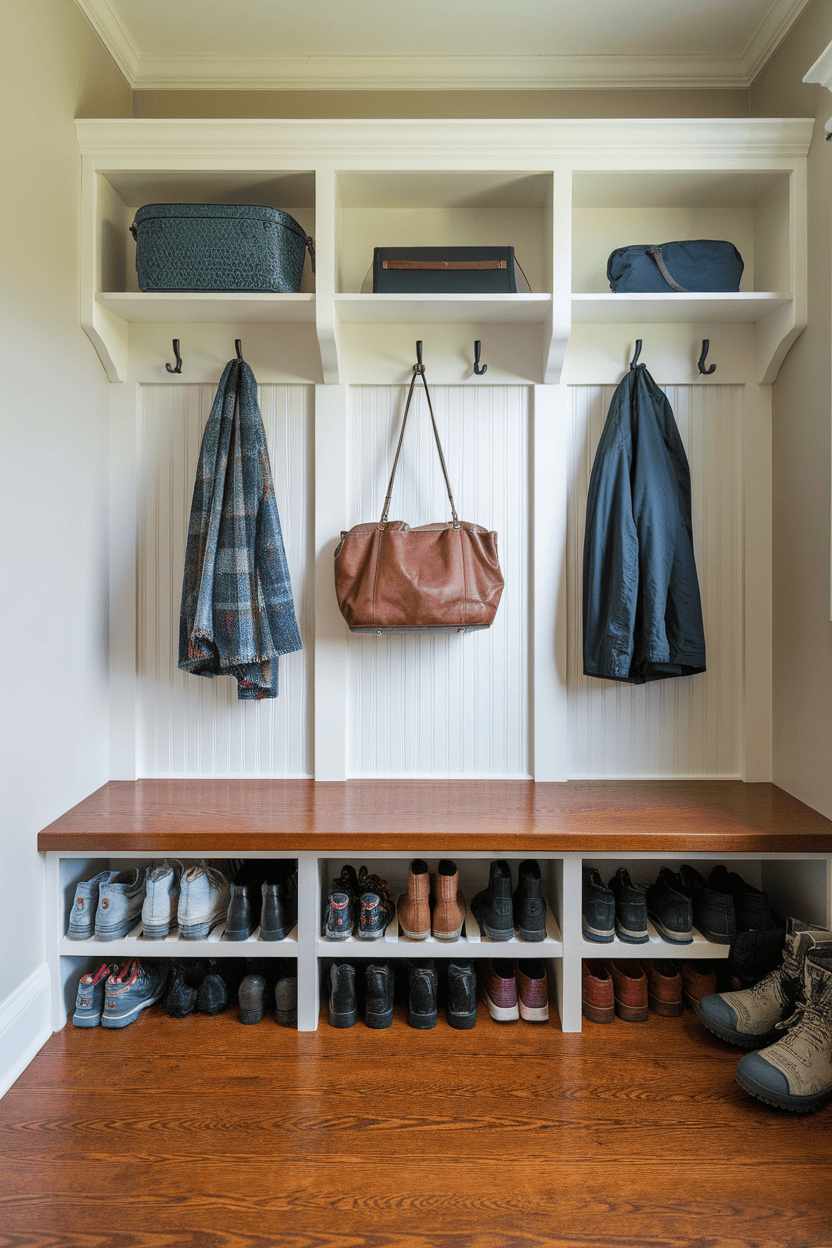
493 816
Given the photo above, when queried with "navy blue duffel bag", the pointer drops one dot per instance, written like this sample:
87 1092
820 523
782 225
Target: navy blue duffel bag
699 265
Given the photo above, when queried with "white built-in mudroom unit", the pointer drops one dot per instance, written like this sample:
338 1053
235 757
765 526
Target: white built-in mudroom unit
491 744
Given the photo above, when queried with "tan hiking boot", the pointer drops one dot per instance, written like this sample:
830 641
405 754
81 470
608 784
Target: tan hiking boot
795 1073
749 1018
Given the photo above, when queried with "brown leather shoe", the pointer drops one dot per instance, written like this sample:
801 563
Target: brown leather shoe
664 987
629 989
597 1001
698 981
414 909
448 902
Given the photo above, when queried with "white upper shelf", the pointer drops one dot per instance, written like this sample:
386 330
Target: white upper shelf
209 308
381 309
613 309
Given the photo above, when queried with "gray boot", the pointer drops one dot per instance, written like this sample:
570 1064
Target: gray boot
795 1073
749 1018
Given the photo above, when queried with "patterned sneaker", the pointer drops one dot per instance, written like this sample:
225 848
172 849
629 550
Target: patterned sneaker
499 990
139 985
749 1018
89 1000
342 905
375 908
795 1073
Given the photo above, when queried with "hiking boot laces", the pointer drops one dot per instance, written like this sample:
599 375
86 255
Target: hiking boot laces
786 980
813 1021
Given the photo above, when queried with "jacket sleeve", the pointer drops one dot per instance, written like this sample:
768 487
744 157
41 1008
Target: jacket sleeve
611 567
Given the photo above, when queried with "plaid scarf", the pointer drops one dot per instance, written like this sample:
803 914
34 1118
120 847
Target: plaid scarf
237 612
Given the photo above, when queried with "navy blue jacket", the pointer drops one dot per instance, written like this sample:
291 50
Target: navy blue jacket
642 613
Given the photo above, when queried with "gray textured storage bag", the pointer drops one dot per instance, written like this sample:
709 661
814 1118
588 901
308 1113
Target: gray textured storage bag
219 247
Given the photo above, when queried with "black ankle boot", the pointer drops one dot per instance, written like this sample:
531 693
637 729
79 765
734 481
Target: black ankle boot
343 1003
527 903
461 1008
378 1009
423 982
492 906
279 912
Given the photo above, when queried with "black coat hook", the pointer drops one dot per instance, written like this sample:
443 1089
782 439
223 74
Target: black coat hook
178 368
706 342
637 354
419 367
477 348
238 344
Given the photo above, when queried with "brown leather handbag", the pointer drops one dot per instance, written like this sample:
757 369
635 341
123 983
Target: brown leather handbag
437 578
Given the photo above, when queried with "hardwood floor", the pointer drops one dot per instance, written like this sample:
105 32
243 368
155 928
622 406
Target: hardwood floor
204 1132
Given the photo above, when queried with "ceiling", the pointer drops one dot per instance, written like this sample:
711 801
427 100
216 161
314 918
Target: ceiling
440 44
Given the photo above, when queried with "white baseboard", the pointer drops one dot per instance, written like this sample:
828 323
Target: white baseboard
24 1026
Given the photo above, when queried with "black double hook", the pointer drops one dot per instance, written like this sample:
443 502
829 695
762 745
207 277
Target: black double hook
634 360
238 346
178 368
477 349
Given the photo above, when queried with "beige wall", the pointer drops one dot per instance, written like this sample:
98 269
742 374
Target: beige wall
53 463
440 104
802 443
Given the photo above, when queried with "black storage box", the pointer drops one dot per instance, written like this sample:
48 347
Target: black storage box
444 271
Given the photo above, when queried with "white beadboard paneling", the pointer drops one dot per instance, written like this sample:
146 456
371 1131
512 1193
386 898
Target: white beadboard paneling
189 725
679 727
445 705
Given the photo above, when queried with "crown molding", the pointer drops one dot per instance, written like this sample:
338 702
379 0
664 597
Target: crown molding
443 73
821 71
115 36
187 143
768 36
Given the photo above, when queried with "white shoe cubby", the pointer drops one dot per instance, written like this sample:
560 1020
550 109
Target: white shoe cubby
797 885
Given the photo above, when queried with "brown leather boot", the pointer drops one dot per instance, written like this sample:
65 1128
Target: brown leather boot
448 902
664 987
414 909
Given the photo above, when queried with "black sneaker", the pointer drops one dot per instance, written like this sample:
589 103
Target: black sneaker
527 902
713 903
669 906
598 908
630 908
492 906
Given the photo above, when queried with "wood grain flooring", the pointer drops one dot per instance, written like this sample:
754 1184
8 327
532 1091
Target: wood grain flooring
201 1132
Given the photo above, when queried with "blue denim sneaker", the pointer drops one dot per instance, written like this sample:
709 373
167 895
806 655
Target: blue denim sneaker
204 894
161 899
137 986
85 904
120 902
89 1000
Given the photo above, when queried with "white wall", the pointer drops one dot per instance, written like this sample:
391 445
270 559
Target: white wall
802 443
54 408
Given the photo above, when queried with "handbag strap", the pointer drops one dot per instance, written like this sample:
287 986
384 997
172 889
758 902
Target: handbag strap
656 253
419 371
